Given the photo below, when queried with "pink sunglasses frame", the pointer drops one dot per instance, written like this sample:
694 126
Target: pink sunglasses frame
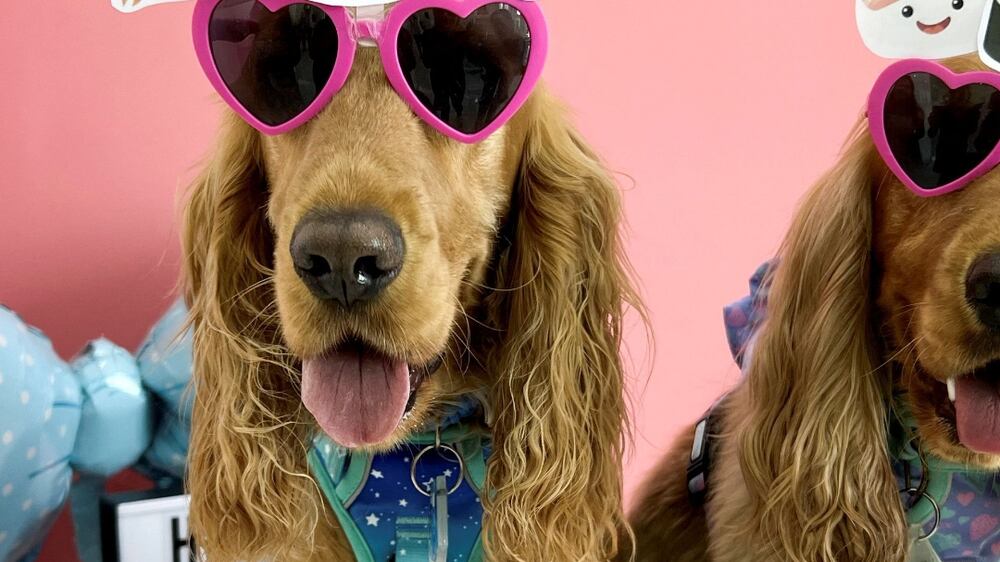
876 119
385 34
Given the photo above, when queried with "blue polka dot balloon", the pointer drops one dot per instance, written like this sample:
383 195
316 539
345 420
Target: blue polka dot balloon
102 413
165 363
115 421
40 401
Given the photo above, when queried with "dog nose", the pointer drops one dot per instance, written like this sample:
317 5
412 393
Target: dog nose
347 256
982 289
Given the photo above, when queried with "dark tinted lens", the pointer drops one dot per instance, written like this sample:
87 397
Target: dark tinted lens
937 134
275 63
465 71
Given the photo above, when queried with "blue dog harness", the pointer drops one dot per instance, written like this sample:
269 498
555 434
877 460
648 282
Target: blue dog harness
420 502
957 508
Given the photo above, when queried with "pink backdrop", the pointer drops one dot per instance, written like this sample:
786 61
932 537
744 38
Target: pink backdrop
718 115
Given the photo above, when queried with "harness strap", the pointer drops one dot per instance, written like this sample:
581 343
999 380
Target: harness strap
700 462
413 539
354 537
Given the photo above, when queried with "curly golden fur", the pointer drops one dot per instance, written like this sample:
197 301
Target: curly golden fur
868 300
513 269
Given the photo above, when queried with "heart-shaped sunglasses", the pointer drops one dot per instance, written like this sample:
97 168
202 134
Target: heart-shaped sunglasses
937 130
463 66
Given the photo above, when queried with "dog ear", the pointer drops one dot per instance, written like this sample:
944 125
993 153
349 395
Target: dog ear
813 450
251 496
558 405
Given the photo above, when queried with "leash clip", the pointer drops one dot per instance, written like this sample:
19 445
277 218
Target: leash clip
918 493
439 447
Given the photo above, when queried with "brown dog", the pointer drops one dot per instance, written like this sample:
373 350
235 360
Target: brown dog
869 299
501 257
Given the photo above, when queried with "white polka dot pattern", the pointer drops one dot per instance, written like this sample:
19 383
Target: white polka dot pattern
34 463
95 415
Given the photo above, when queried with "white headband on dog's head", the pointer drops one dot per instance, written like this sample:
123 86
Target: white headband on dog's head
130 6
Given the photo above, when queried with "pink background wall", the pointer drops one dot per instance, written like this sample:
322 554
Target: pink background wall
722 113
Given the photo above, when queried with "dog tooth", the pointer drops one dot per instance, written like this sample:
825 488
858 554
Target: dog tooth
951 388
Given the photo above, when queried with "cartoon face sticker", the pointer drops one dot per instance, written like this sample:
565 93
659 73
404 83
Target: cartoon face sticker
927 29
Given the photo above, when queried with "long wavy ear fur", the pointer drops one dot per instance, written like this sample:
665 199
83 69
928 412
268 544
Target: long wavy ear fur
813 451
558 397
251 496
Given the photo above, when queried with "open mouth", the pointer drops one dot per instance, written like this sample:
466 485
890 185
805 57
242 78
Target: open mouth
934 29
358 394
976 397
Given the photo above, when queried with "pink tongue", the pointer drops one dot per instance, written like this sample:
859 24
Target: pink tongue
358 397
977 413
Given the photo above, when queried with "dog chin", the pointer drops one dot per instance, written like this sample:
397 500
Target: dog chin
359 395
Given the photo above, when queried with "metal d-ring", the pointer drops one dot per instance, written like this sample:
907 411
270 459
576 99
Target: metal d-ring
914 492
437 446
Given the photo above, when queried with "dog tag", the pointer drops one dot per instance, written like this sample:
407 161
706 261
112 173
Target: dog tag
439 530
921 550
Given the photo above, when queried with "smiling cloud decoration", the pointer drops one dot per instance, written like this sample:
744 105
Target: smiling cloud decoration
927 29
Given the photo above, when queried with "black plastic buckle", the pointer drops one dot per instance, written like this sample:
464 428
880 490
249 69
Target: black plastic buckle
699 464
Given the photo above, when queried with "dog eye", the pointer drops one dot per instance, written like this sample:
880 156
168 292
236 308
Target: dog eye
958 4
908 11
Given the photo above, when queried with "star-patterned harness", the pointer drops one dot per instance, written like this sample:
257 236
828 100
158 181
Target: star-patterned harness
385 516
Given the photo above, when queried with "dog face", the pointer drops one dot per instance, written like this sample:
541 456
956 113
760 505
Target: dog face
383 229
357 275
919 28
939 301
880 296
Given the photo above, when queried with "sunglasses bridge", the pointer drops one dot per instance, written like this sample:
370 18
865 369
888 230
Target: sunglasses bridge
367 25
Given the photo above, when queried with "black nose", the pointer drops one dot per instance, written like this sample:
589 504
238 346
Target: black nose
982 289
347 256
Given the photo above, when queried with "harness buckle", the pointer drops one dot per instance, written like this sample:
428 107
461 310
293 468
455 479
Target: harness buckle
700 462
